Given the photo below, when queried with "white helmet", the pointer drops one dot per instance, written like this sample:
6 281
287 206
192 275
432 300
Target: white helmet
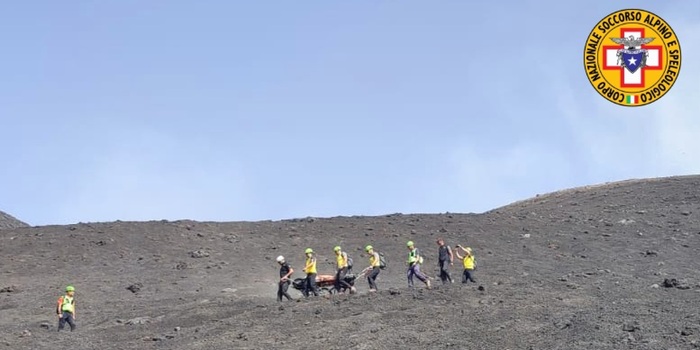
280 259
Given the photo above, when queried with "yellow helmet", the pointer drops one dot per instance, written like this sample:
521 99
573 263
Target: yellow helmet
368 248
409 244
336 249
308 251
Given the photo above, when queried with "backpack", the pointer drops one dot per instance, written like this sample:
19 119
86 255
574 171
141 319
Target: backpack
349 263
420 257
382 260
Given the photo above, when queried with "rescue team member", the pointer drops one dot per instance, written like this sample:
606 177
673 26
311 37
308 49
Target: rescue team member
341 258
66 309
374 265
285 272
310 270
444 255
468 262
414 262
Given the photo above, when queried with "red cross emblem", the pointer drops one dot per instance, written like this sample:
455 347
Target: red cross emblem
627 78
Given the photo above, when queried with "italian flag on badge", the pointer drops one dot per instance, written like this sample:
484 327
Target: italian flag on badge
632 99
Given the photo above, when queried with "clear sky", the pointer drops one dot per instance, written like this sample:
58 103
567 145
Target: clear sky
252 110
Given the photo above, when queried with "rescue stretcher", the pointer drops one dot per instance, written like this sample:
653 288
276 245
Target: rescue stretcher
326 283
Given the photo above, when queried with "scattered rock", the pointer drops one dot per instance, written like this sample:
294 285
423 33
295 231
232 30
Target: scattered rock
181 265
394 292
626 221
526 235
9 289
655 286
687 332
135 288
139 320
562 323
651 253
630 327
685 213
45 325
229 290
674 283
26 333
481 288
197 254
177 329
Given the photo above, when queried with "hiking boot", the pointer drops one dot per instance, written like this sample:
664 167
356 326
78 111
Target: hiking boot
427 284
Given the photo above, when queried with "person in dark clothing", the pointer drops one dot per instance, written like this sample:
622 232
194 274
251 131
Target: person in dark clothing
444 257
286 271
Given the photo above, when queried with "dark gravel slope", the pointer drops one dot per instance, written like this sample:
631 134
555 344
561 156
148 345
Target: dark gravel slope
603 267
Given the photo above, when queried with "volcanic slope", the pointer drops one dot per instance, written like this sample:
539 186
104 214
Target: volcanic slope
8 221
613 266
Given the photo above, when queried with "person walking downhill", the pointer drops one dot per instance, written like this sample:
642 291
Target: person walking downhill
341 258
310 270
66 309
468 262
445 256
286 272
374 267
414 262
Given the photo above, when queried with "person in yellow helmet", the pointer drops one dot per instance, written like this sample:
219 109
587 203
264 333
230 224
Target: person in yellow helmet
414 262
342 264
468 262
310 270
374 267
65 309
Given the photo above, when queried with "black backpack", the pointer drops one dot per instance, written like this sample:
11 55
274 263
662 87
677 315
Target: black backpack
382 260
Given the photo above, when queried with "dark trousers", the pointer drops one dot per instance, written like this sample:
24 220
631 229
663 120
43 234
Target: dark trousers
444 273
467 276
340 279
282 290
310 286
414 270
66 317
372 278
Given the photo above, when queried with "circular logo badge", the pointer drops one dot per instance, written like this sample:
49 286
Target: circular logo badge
632 57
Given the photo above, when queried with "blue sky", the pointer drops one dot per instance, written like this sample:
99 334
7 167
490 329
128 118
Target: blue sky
251 110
